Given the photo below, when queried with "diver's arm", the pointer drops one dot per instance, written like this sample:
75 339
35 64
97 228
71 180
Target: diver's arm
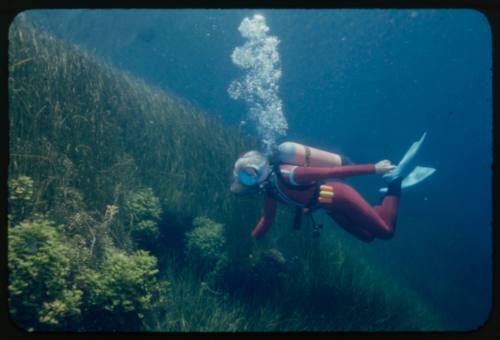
267 219
307 175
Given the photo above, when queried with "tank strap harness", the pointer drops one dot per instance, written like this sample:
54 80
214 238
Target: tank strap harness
274 188
323 194
307 157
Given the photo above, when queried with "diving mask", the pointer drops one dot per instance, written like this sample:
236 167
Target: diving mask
247 179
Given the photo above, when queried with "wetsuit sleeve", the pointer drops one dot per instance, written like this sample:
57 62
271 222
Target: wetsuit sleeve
267 219
307 175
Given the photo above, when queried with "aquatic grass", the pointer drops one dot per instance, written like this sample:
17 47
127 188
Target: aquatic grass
344 296
315 285
334 288
117 132
194 306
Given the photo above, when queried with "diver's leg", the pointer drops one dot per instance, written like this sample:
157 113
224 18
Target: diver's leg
349 203
388 208
351 227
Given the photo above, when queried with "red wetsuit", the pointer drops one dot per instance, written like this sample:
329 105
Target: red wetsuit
348 208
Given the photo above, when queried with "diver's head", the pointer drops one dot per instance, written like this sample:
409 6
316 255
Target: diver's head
250 170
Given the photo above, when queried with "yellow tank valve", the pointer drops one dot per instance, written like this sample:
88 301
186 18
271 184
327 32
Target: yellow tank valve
326 194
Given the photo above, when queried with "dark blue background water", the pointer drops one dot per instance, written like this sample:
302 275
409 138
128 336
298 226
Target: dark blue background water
363 82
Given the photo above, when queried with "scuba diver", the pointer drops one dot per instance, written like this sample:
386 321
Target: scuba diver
303 177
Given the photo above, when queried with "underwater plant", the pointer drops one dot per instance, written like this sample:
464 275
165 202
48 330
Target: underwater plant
42 294
205 243
268 271
194 306
121 291
144 211
143 204
20 197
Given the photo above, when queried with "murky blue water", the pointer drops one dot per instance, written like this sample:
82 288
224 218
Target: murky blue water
366 83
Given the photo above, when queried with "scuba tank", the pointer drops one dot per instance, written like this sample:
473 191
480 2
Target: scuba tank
303 155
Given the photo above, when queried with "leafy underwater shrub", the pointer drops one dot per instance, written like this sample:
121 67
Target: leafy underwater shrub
56 285
262 274
20 198
41 291
205 244
144 210
122 291
268 271
143 204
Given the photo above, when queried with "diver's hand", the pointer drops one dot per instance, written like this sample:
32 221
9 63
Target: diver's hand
384 167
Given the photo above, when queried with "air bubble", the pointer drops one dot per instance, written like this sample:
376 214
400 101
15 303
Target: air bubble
259 87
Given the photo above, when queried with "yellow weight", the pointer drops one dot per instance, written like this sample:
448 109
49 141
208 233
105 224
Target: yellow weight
325 200
326 194
326 188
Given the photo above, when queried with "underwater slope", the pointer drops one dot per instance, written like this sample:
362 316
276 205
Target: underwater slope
77 123
119 166
89 135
